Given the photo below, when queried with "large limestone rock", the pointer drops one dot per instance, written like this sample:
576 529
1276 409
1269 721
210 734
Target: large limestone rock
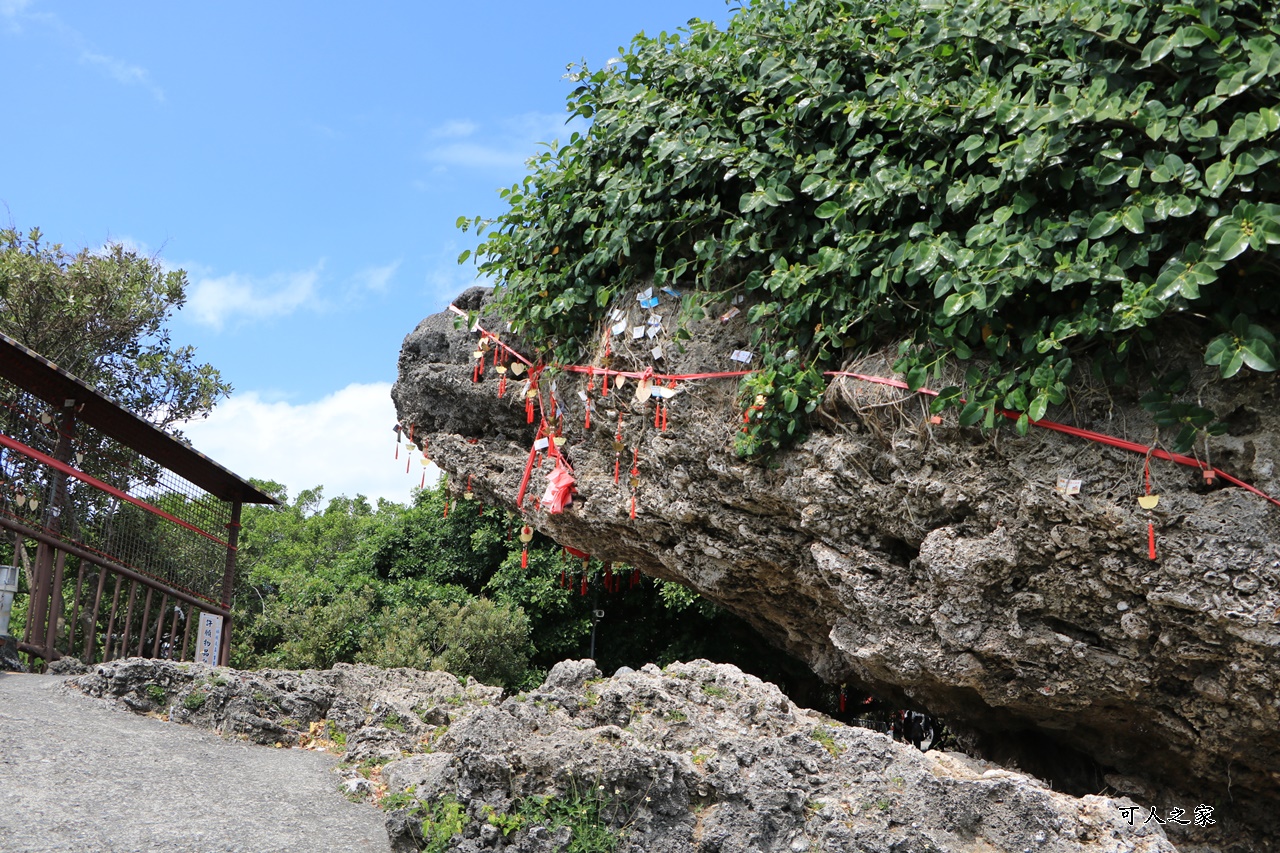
694 757
932 564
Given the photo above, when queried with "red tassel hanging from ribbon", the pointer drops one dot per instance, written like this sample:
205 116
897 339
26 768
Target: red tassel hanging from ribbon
657 414
591 379
423 484
524 557
844 699
446 508
635 579
1151 540
587 424
564 582
528 409
635 478
617 451
584 584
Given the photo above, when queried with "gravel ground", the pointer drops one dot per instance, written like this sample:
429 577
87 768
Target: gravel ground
78 775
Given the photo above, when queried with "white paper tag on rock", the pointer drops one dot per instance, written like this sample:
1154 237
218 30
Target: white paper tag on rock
741 355
657 352
729 315
619 328
652 332
542 443
637 332
1068 487
645 294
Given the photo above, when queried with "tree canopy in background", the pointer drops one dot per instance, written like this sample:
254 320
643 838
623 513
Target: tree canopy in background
395 585
102 317
1009 186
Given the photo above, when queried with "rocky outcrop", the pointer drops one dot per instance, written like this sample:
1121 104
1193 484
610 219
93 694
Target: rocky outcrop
694 757
932 564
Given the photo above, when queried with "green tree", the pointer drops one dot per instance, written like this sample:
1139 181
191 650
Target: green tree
397 585
1007 186
102 316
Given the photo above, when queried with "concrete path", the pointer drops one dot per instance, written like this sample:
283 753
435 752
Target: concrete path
77 775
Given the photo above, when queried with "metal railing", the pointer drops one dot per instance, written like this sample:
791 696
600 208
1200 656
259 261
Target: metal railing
118 553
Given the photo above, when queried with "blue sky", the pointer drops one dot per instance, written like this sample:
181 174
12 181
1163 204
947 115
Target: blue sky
305 163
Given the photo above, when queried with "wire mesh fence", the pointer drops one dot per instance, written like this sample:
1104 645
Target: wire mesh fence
86 489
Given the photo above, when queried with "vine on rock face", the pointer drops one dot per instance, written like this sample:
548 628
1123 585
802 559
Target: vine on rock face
1011 185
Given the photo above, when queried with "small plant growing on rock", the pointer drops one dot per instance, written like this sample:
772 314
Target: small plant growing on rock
393 722
195 700
824 736
440 823
155 693
506 823
716 690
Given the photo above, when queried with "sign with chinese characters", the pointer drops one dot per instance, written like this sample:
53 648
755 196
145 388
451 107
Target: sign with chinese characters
209 641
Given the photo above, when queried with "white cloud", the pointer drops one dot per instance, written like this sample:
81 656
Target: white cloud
214 301
13 8
123 72
505 148
343 442
377 278
455 129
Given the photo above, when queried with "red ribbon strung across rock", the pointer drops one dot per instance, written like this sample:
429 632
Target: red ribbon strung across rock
1077 432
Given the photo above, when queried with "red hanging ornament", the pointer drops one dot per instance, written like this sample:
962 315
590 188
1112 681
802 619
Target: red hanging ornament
584 584
591 379
1149 502
844 698
563 579
635 478
528 408
635 579
524 557
617 451
446 508
587 407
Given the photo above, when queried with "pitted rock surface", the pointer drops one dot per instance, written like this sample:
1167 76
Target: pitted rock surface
693 757
932 565
700 757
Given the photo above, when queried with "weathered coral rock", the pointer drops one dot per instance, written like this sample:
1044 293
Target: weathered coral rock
933 564
694 757
700 757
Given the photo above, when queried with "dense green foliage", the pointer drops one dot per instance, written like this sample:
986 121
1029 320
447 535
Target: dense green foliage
102 317
1008 186
397 585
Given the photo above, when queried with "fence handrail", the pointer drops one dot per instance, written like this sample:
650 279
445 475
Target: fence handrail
194 599
89 479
